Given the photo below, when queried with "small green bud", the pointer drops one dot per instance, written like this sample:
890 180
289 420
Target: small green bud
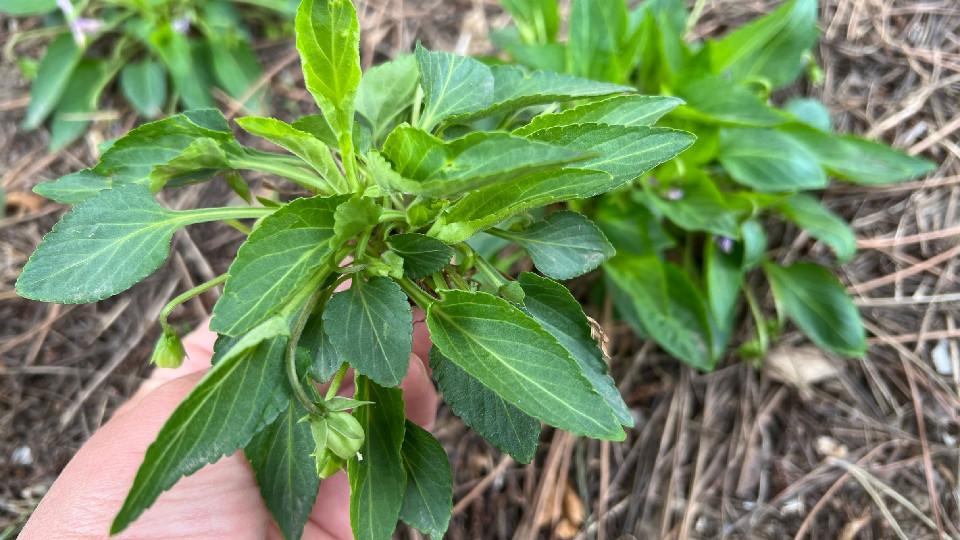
512 292
344 434
168 352
329 464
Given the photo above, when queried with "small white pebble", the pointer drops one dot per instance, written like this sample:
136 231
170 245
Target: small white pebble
941 358
22 456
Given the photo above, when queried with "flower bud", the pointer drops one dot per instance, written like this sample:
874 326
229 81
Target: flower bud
329 464
168 352
344 434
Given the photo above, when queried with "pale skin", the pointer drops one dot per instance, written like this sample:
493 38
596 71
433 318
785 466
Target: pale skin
219 501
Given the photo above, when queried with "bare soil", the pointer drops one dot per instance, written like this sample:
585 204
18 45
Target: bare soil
803 446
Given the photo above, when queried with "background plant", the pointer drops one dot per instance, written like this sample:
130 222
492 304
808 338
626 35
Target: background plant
690 235
406 163
159 54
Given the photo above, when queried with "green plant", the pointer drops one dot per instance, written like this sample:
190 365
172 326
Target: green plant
140 45
690 235
400 173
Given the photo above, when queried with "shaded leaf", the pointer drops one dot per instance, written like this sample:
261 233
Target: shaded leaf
768 160
816 302
422 255
564 245
80 98
821 223
811 112
370 326
144 84
386 91
497 421
428 500
74 187
715 100
597 30
53 75
510 353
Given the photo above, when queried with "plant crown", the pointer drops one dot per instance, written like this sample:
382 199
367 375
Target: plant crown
404 166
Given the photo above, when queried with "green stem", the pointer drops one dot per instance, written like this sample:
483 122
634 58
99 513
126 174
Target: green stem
187 295
238 226
204 215
419 296
335 383
491 273
758 319
291 356
283 167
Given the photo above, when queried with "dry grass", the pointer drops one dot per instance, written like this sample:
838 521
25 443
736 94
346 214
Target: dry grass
816 448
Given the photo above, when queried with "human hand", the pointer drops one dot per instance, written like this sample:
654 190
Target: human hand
219 501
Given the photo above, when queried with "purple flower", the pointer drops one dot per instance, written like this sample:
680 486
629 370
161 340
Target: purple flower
675 194
181 25
82 27
724 243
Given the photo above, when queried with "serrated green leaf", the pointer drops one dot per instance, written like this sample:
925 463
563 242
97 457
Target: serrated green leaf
370 326
625 110
564 245
496 420
770 48
328 38
422 255
695 204
300 143
53 75
102 247
200 160
286 474
74 187
144 84
815 300
858 160
486 207
624 152
428 500
317 125
241 394
769 161
471 162
824 225
386 91
355 216
552 305
509 352
288 249
811 112
378 481
79 98
715 100
597 31
452 85
656 302
515 88
132 157
320 356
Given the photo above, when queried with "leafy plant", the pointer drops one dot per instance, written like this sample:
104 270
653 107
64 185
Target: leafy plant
691 233
195 46
405 165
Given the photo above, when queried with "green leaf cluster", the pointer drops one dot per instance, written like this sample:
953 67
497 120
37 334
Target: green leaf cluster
163 56
394 178
689 234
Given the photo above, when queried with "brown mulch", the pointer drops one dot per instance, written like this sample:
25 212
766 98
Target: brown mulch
806 446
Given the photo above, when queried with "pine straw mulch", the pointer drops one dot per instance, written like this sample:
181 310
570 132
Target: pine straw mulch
806 446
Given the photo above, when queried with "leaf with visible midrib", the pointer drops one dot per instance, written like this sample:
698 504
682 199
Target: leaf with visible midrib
429 497
452 85
287 250
810 215
102 247
768 160
628 110
560 314
144 84
370 326
328 38
564 245
816 301
54 72
378 481
509 352
500 423
238 397
286 474
422 255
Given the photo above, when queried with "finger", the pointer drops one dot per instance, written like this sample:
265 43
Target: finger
421 337
84 499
